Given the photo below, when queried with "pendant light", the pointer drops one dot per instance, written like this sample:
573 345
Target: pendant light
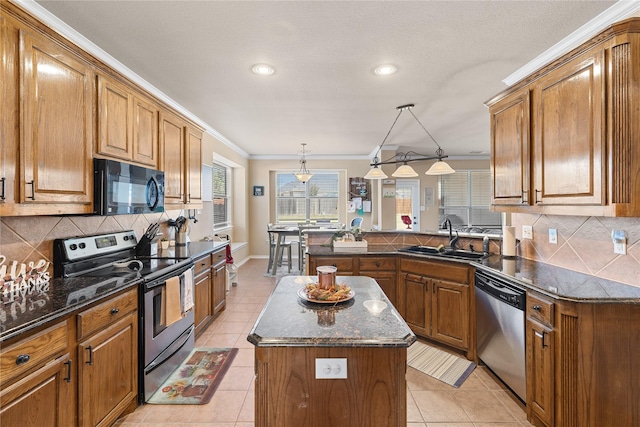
303 174
405 171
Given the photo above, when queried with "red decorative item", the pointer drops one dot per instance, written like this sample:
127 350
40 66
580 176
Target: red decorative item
406 219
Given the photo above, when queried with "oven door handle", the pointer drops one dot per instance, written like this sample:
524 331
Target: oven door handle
170 351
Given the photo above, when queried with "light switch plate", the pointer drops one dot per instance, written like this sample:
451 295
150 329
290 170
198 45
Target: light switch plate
527 232
331 368
553 236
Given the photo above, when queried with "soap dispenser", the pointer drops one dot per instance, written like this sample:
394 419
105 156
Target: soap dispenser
485 245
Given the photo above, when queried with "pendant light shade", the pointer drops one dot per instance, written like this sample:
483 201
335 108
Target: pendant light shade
439 168
303 175
375 173
406 171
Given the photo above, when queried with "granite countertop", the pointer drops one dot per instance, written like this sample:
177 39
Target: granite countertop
560 282
288 320
30 307
554 281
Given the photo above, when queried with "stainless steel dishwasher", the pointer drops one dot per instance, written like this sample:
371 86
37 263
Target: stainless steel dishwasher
500 329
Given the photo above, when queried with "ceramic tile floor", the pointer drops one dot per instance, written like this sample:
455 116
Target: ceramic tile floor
482 401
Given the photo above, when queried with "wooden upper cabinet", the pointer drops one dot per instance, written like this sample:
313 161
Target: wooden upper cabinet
127 125
57 125
193 140
145 132
510 130
569 140
172 161
114 123
582 116
9 109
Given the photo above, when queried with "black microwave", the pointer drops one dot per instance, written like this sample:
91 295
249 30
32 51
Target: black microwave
121 188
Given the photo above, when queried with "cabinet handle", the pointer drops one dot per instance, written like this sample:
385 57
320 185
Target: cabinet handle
90 361
377 263
68 377
536 197
524 201
334 264
115 310
33 190
3 179
189 198
542 337
22 359
537 307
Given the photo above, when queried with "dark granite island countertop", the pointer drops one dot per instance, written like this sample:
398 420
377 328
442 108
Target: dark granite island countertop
288 320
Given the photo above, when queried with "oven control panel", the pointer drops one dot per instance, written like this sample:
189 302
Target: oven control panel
101 244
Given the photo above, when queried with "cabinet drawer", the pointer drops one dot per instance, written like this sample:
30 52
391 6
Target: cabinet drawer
40 348
343 264
373 264
540 309
202 264
219 256
447 270
93 319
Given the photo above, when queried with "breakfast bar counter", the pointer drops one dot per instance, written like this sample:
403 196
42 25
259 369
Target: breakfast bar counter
330 364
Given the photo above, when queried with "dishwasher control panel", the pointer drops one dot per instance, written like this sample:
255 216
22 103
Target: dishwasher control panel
501 289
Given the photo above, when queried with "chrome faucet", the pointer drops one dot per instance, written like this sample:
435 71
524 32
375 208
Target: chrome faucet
453 241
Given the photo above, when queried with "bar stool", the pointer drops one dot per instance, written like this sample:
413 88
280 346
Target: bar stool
284 245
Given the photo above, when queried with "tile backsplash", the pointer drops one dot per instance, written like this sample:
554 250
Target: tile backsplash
25 239
584 245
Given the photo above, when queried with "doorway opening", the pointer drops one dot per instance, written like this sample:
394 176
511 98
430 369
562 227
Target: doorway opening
408 204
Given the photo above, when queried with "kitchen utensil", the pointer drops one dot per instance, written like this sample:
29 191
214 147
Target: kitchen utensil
144 246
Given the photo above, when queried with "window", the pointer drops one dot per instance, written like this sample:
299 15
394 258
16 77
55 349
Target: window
315 200
465 199
221 180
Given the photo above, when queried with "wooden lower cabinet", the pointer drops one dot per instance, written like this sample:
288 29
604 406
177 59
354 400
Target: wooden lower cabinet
37 378
434 299
287 394
202 293
210 283
108 360
540 380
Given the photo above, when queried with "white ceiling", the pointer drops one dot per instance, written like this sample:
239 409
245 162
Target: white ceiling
451 57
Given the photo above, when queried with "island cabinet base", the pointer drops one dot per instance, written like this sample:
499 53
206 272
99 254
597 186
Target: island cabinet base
374 394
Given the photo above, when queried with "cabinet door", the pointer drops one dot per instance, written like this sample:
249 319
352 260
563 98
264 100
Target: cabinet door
193 139
57 123
44 398
114 119
510 150
172 144
569 140
9 111
145 132
219 287
386 280
416 296
540 390
450 315
108 373
202 300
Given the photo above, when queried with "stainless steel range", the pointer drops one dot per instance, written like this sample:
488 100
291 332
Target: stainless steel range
166 285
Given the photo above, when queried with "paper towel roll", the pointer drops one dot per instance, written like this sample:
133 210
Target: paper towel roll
509 241
509 266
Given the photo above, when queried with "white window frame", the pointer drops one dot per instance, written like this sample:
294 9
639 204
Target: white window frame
214 195
307 197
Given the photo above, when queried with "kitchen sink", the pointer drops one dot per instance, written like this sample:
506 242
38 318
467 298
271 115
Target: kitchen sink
444 253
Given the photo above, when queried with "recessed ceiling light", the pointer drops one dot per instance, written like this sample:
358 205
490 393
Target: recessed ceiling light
263 69
385 70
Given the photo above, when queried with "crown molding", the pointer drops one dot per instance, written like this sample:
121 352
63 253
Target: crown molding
621 10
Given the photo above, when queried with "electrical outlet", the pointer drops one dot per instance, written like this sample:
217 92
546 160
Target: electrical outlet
527 232
619 238
620 248
553 236
333 368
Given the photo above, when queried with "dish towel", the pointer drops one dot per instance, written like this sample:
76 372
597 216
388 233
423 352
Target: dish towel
187 294
172 301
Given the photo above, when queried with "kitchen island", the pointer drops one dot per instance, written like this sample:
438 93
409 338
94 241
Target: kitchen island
363 351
